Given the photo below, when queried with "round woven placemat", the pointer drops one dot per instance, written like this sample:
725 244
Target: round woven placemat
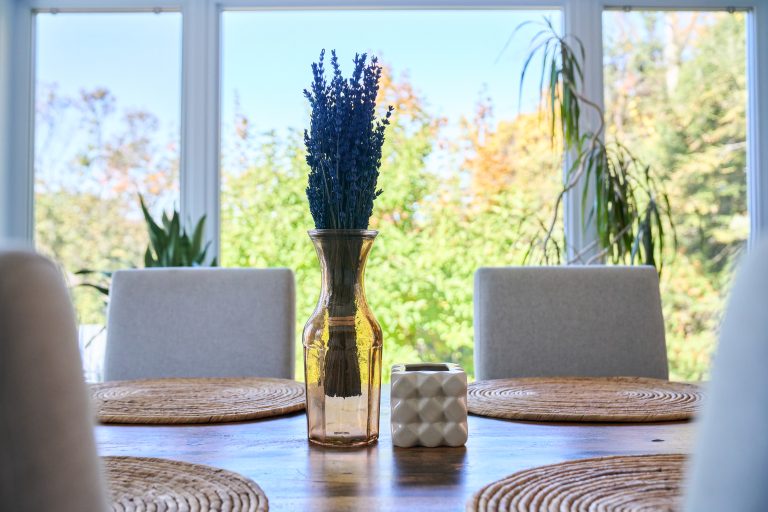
199 400
583 399
143 484
625 483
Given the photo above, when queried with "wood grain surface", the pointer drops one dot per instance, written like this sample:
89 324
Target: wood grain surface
297 476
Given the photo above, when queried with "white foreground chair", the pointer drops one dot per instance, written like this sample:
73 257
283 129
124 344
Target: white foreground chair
568 321
47 451
200 322
729 469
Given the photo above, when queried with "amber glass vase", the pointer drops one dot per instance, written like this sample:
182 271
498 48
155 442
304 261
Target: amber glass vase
342 345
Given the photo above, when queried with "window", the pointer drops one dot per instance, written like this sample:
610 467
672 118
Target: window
676 95
106 129
198 106
465 166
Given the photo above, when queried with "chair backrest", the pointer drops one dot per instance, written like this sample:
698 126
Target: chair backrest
729 467
568 321
47 451
200 322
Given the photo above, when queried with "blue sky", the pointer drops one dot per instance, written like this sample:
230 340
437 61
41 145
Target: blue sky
450 56
137 56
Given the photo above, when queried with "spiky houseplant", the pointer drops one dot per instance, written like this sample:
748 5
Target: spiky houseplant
344 143
169 246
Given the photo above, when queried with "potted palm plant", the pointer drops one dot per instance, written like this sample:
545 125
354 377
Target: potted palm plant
630 209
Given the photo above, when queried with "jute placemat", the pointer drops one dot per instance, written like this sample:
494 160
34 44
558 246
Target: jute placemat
624 483
142 484
200 400
582 399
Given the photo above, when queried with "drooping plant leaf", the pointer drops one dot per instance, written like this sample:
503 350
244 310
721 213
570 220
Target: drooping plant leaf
101 289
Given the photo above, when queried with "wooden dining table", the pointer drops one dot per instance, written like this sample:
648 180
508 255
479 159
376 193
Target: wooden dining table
296 475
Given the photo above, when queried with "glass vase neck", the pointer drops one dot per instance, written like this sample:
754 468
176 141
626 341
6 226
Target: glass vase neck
329 234
342 254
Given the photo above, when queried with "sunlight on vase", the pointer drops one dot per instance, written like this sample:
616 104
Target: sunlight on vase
342 345
344 421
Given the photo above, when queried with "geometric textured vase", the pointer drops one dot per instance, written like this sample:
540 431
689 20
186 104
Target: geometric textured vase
429 405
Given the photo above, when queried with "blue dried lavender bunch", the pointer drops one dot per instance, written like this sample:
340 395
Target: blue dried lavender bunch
344 144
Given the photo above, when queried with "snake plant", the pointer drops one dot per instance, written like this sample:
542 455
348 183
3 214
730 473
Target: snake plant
170 245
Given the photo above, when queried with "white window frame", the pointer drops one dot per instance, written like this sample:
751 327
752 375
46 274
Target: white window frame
200 94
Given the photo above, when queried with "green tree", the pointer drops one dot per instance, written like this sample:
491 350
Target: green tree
676 93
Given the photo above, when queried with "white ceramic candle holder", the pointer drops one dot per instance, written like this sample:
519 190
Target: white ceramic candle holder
429 405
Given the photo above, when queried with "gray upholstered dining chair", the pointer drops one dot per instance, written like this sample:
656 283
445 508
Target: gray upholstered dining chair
47 451
568 321
200 322
729 466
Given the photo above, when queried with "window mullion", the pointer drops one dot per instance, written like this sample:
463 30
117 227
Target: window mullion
17 171
757 122
200 117
583 20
